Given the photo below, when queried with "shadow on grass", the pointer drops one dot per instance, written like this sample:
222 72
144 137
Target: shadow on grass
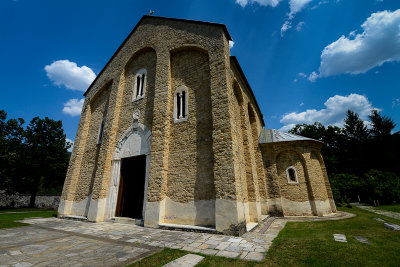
8 218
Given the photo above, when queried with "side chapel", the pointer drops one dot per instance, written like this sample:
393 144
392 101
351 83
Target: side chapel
171 135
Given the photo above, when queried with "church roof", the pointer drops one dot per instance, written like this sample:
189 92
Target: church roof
235 62
223 26
275 136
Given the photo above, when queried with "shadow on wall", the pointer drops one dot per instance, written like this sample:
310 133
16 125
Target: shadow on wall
205 183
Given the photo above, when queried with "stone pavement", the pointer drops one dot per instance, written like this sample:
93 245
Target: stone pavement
205 243
33 246
60 242
392 214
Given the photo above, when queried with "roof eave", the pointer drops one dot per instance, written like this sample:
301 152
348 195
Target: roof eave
237 65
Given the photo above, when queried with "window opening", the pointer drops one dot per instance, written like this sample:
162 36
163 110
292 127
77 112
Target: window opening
101 132
142 85
183 104
180 104
291 174
139 85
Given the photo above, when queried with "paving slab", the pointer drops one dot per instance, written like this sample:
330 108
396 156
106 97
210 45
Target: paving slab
188 260
254 256
392 226
340 238
362 240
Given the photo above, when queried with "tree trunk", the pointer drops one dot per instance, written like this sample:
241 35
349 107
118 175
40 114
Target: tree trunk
32 199
35 189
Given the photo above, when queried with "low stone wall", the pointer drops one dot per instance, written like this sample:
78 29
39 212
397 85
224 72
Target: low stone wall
22 201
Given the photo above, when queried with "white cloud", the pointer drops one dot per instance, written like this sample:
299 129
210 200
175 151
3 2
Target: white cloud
286 26
302 75
67 140
295 7
73 107
272 3
333 114
301 104
396 102
231 44
319 4
67 73
313 76
378 43
300 25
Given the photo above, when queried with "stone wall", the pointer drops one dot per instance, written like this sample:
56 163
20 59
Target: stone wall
312 194
22 201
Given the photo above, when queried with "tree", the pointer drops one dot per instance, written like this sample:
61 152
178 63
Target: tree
45 155
382 186
315 131
354 127
381 126
11 138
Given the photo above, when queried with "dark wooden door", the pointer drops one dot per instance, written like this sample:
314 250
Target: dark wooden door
131 187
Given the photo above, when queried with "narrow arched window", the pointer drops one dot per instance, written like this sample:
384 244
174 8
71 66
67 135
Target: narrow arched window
139 84
101 132
291 175
181 104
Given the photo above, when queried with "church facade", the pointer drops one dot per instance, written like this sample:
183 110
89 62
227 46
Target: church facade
171 133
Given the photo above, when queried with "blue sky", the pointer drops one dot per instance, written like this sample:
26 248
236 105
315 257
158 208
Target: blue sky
306 60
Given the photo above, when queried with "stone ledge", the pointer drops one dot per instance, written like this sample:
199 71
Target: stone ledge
73 217
126 220
184 227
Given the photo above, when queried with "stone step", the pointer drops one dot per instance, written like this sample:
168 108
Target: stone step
74 217
250 226
126 220
184 227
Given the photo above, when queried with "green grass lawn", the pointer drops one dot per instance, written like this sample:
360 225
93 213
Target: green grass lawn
312 244
7 220
395 208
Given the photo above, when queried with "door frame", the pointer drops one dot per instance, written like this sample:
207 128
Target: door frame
135 141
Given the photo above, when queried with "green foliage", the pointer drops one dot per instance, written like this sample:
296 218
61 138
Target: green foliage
34 159
384 186
381 126
11 138
345 187
354 127
360 162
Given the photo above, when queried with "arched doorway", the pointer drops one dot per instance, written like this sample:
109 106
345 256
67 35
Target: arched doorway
130 174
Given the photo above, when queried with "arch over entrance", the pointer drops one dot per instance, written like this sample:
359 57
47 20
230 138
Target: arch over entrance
133 148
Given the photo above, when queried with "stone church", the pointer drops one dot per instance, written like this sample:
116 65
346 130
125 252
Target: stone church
171 135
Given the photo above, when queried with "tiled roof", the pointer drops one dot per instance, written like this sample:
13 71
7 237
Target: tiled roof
275 136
